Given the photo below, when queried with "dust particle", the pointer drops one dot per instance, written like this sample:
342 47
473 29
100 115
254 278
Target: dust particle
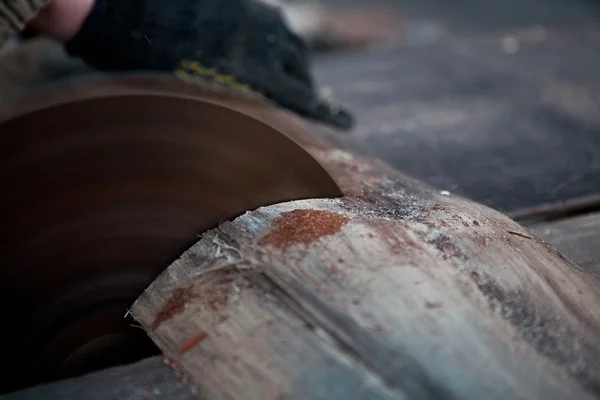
432 305
175 305
482 241
304 226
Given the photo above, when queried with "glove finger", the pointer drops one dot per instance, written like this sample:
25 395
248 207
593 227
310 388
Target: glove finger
303 100
296 96
296 59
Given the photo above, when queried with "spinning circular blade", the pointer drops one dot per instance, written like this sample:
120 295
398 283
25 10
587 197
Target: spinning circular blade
107 181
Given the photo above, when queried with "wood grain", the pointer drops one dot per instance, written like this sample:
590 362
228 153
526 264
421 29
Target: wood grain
413 284
577 238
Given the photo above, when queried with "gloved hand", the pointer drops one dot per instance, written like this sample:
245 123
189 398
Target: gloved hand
246 40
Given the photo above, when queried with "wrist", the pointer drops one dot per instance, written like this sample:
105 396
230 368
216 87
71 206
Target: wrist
62 19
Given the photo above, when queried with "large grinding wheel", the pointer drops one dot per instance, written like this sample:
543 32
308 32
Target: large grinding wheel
104 182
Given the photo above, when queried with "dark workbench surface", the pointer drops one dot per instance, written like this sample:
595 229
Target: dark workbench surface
495 101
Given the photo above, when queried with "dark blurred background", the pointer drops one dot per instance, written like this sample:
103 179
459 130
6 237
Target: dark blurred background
498 101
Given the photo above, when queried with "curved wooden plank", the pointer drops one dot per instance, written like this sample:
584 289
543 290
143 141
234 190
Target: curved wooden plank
577 238
422 294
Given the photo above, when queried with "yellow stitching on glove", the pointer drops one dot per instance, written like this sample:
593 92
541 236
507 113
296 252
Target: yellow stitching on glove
193 69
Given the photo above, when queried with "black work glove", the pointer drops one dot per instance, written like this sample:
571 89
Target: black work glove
241 39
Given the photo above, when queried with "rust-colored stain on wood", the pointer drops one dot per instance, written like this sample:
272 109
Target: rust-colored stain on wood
190 343
216 297
175 305
304 226
212 295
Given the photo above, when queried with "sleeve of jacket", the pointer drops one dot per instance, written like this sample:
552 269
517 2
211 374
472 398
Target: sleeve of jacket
16 14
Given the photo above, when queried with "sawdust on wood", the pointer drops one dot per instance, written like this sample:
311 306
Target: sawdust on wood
304 226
